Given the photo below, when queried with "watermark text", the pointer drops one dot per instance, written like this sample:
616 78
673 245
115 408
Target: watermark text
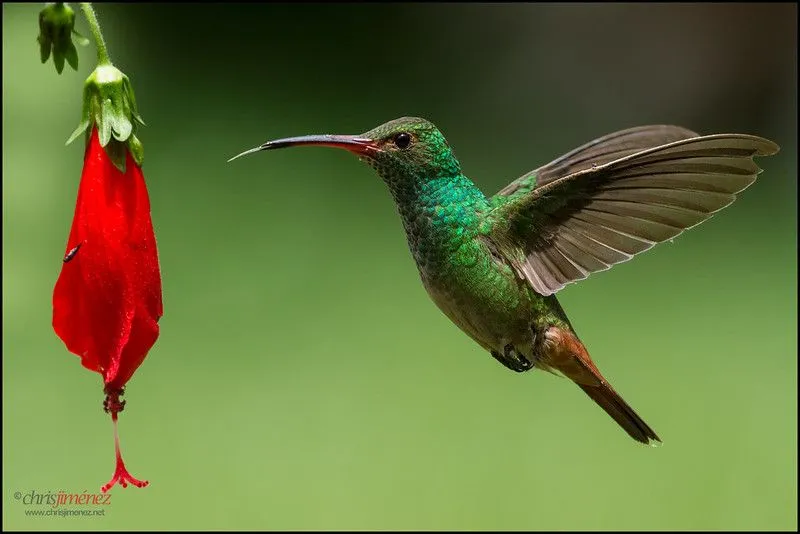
63 503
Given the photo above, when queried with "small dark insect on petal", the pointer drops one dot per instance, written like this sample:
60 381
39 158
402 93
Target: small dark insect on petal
71 253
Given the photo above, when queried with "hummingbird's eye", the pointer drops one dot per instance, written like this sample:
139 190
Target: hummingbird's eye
402 140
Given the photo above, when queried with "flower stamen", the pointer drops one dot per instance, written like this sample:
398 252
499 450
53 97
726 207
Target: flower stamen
114 405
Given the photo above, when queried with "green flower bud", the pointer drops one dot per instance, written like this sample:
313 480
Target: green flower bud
56 28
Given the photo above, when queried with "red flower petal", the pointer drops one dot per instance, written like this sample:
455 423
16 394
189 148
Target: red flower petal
107 300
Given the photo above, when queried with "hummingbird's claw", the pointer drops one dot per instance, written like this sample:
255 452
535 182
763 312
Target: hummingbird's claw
521 362
513 359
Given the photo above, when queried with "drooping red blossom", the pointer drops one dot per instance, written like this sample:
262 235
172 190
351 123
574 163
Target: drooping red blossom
107 300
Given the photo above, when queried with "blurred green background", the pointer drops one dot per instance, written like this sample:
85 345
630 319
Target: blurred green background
303 379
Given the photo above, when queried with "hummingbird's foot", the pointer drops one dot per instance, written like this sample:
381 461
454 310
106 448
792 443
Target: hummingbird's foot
513 359
508 365
523 364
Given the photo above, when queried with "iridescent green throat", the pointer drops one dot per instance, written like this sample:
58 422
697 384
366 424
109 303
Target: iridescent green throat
440 214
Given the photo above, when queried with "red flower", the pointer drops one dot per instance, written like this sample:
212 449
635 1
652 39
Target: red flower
107 300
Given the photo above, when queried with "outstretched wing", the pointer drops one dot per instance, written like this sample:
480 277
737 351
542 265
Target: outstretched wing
571 226
602 150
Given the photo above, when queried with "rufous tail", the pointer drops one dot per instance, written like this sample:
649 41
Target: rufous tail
568 355
616 407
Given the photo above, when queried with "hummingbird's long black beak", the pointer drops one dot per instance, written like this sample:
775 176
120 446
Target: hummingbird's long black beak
355 144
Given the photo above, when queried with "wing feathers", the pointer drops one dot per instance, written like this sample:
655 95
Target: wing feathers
667 215
602 150
627 243
605 214
603 252
642 229
683 180
581 255
702 201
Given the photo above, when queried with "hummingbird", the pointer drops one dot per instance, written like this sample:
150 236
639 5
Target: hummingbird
493 265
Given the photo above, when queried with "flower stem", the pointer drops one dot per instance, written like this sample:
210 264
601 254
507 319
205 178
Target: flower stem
94 26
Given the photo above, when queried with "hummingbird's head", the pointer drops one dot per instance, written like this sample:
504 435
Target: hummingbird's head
409 147
403 151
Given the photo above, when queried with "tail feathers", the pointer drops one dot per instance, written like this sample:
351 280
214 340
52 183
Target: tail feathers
567 354
618 409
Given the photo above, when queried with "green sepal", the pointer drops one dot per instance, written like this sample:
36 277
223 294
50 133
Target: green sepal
80 39
56 28
84 124
110 106
116 152
58 60
121 127
44 48
103 120
131 100
78 131
71 55
137 149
